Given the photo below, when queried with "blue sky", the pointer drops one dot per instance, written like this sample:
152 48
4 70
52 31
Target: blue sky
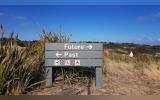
115 23
84 2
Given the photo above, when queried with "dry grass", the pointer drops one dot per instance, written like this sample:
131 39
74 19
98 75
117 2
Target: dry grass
139 76
23 68
121 78
122 75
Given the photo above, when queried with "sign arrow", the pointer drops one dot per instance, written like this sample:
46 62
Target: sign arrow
89 46
58 54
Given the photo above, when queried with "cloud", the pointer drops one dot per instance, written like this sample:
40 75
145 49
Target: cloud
148 40
19 17
158 39
1 14
157 15
24 24
150 17
16 17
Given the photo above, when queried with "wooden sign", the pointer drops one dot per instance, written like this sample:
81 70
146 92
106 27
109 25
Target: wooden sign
74 55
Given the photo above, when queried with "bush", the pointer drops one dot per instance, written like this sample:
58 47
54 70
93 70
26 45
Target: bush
15 70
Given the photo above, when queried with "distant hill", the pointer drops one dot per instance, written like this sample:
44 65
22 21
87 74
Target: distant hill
117 47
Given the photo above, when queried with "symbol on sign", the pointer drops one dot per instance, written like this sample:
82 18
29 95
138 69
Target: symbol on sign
57 62
77 62
58 54
67 62
89 46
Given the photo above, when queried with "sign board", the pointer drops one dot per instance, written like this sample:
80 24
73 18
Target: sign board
74 46
74 62
74 55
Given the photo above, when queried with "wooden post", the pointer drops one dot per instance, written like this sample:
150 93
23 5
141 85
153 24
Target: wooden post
98 77
49 76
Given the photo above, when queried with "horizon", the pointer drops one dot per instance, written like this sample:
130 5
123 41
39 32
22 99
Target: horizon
108 42
106 23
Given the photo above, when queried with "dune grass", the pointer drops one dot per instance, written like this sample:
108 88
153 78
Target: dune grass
22 68
140 61
15 70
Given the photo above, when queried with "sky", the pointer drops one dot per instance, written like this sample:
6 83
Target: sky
110 23
84 2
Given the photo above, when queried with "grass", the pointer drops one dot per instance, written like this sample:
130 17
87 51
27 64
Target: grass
23 68
15 70
130 76
140 61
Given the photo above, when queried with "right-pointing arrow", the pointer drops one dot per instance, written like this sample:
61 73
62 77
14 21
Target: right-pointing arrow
89 46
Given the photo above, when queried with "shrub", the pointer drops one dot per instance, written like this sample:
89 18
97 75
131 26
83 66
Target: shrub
15 70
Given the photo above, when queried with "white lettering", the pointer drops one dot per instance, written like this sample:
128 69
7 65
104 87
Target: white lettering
73 47
70 55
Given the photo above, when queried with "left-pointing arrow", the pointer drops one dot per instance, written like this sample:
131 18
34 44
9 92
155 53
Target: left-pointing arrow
58 54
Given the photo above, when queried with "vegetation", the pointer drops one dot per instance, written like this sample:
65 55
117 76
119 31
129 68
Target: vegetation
15 70
22 68
142 57
22 62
